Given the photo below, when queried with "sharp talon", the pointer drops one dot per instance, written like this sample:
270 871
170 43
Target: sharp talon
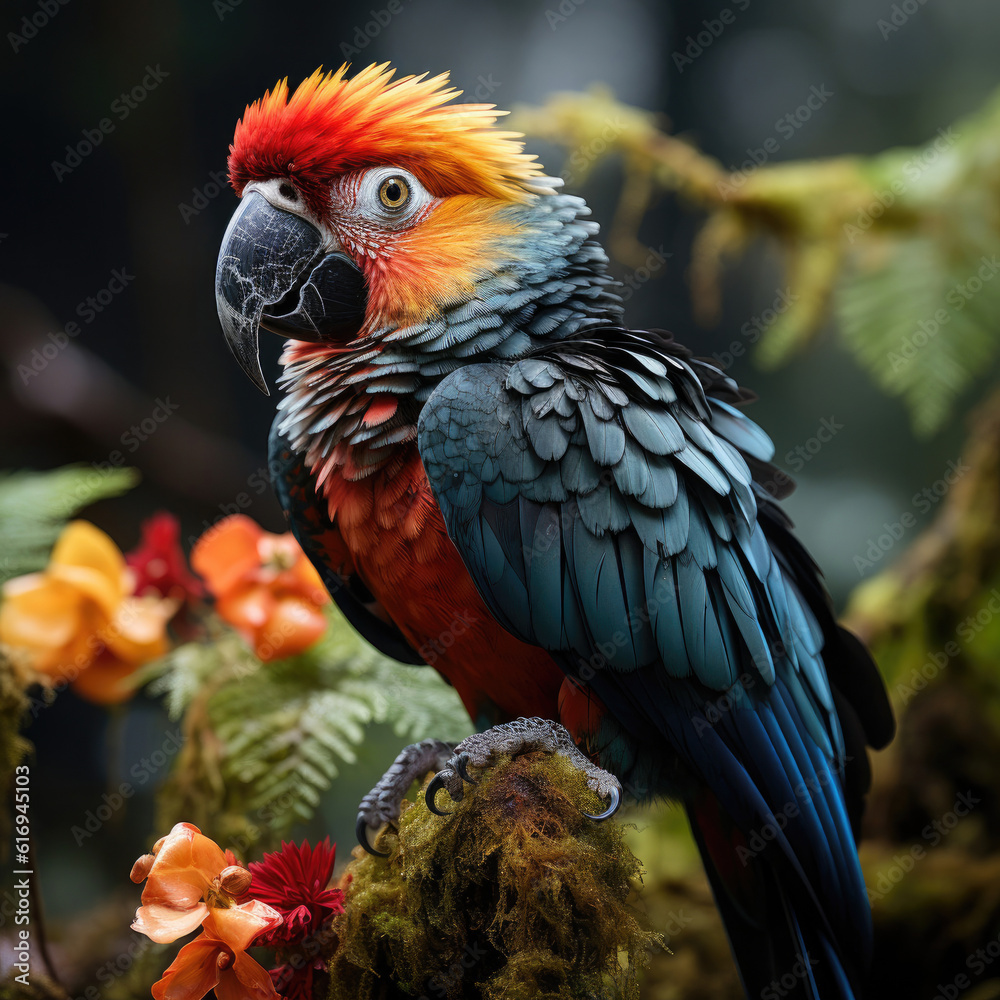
437 783
460 765
616 800
361 832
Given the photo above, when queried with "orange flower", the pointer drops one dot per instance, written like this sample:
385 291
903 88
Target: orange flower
76 622
192 882
217 958
183 875
263 585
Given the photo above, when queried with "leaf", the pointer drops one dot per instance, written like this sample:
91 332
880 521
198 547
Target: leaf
419 704
34 507
888 239
920 319
285 729
186 670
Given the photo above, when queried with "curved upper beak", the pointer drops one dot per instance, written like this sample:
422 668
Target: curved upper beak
273 273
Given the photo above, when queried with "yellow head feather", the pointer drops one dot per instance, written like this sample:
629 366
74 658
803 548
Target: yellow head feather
332 124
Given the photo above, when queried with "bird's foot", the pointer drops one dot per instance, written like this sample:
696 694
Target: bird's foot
381 805
520 736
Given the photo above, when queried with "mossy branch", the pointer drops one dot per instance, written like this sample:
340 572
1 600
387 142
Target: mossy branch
897 246
515 895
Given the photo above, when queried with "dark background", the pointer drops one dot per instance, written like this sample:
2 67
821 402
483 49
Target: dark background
146 201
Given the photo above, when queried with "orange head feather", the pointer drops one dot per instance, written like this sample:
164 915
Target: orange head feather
332 124
489 243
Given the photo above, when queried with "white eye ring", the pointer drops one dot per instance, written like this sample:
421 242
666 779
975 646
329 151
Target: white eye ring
392 195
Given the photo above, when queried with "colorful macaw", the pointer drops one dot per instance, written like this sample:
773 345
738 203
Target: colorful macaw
572 521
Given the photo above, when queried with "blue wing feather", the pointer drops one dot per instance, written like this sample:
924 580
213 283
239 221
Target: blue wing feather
640 552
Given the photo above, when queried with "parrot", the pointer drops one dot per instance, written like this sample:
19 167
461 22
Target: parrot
574 522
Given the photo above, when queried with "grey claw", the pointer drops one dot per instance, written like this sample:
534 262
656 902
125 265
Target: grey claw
460 765
437 783
616 800
361 832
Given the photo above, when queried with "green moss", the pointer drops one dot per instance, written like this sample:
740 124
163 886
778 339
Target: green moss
516 895
38 987
13 706
14 747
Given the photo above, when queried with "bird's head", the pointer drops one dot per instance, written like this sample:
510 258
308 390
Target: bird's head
375 213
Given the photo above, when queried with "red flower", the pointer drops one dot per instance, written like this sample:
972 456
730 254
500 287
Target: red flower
159 564
295 881
294 981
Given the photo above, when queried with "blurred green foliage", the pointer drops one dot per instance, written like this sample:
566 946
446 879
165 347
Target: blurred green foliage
899 248
264 741
35 506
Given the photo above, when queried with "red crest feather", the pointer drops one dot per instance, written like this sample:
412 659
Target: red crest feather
333 124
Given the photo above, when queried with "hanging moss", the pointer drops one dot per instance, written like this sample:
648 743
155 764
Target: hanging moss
13 706
877 241
14 747
38 987
516 895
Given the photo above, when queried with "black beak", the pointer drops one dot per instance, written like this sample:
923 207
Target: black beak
273 273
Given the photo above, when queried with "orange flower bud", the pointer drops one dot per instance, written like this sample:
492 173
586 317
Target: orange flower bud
141 867
235 880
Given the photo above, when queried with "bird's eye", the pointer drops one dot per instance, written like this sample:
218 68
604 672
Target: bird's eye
287 191
394 192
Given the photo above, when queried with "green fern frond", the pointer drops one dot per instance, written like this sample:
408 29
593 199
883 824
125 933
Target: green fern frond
282 731
286 738
34 506
187 670
419 704
921 321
